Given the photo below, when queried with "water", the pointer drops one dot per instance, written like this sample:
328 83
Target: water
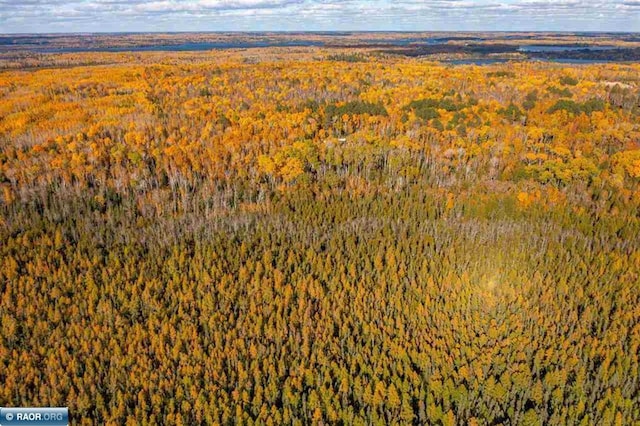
40 46
538 48
576 61
492 61
43 46
183 47
403 41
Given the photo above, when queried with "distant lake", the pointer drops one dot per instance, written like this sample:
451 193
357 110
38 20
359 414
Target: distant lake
534 48
401 41
546 53
576 61
41 47
183 47
419 40
492 61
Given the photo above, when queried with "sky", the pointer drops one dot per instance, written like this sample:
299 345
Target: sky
41 16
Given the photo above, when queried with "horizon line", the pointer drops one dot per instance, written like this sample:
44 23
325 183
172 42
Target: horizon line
316 32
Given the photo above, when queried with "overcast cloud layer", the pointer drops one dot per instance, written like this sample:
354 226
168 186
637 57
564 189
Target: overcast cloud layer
30 16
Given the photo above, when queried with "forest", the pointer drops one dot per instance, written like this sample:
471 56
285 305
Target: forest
309 235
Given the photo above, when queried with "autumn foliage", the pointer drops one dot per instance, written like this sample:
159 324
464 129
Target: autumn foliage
284 236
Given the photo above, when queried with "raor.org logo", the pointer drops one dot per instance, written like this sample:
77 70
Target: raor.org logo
34 416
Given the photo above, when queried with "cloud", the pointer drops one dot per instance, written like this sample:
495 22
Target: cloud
200 15
203 5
